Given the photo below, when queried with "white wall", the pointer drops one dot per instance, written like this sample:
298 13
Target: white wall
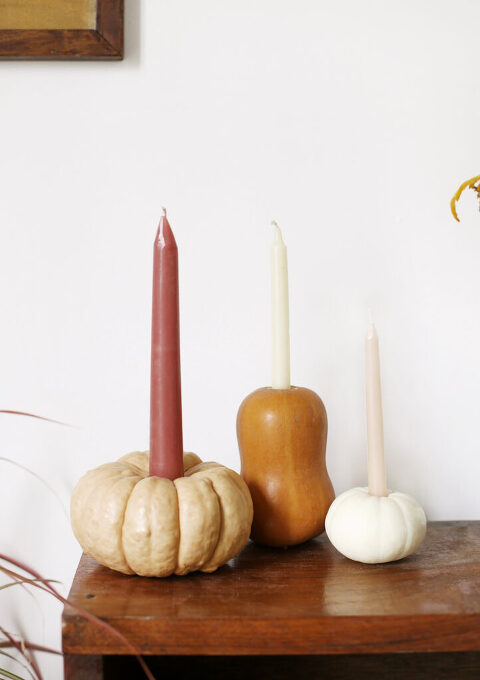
351 124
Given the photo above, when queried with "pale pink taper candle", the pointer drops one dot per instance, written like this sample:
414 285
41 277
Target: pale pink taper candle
377 485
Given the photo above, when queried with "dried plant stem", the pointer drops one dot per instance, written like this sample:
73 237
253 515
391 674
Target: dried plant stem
26 581
23 647
34 415
20 649
33 647
47 587
20 663
40 479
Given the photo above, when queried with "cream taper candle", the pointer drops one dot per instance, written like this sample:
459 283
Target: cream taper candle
376 460
280 314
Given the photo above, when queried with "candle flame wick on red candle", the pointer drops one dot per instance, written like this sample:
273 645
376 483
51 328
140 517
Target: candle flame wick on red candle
164 210
165 235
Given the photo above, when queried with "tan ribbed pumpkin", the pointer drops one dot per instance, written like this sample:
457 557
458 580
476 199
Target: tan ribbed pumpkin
151 526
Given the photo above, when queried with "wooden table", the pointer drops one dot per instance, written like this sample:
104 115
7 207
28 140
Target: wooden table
301 612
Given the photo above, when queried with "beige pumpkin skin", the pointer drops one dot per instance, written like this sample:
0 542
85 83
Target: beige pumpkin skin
137 524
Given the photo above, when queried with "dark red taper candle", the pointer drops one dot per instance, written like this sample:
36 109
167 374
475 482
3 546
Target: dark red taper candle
166 441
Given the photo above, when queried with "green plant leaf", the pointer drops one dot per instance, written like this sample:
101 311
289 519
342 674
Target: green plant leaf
7 674
23 665
31 661
27 581
31 594
45 586
22 581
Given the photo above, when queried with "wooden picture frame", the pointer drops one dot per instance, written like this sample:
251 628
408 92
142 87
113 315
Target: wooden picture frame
99 34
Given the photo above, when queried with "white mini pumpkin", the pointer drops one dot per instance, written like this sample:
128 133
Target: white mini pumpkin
375 529
151 526
375 525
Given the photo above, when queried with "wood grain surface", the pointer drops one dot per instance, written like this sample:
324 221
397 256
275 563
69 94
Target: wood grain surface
90 667
306 600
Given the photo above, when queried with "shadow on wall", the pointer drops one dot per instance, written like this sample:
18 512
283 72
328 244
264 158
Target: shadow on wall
133 19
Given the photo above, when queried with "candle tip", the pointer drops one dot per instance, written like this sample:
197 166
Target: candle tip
164 210
278 233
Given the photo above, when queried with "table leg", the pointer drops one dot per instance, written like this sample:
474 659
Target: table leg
83 667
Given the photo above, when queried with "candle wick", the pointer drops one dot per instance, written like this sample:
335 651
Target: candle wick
164 210
277 238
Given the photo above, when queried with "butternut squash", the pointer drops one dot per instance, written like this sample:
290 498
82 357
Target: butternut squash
282 436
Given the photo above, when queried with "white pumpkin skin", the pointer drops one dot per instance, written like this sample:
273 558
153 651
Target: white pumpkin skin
137 524
375 529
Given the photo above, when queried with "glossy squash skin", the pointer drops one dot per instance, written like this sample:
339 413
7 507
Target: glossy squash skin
282 436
